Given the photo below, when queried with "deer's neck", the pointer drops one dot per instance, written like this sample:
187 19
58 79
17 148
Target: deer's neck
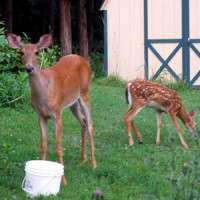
37 83
183 115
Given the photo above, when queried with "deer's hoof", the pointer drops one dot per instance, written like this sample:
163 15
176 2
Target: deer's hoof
140 142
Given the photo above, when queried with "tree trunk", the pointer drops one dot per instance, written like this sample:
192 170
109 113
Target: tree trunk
90 11
52 16
65 27
44 16
8 16
82 28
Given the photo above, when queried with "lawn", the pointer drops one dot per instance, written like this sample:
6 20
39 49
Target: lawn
140 172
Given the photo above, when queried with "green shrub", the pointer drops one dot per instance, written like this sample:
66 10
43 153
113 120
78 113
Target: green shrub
49 56
96 61
9 59
13 88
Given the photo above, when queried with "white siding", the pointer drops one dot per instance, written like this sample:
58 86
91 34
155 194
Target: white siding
165 22
125 38
125 29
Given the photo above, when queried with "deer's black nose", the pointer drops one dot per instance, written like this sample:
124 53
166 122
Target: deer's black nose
28 68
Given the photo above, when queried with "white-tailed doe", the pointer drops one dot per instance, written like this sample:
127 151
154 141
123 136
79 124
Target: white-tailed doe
65 84
149 93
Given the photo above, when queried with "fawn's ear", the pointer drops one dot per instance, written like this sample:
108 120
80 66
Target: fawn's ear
14 41
192 113
45 41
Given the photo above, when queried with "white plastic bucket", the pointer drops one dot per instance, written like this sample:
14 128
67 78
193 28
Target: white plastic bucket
42 178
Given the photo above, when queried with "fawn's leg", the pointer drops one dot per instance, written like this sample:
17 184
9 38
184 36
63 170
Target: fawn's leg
129 116
159 125
174 120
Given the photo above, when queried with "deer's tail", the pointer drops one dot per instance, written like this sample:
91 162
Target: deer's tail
128 95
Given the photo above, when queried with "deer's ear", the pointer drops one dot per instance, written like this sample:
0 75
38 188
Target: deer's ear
14 41
192 113
45 41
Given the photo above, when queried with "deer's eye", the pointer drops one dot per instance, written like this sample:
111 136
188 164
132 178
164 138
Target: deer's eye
22 53
37 53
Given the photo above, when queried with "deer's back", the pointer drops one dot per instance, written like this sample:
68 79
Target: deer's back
71 68
153 93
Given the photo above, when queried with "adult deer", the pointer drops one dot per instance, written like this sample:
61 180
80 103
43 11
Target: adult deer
65 84
149 93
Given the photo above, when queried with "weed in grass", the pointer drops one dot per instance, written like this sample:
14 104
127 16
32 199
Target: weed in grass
113 81
96 195
177 86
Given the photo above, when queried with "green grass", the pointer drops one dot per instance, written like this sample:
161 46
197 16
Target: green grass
140 172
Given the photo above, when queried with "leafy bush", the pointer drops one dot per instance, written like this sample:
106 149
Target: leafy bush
49 56
13 88
9 59
96 61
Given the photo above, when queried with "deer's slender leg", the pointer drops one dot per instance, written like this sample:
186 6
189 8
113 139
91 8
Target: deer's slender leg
85 105
159 125
175 121
129 116
78 113
59 150
43 134
137 132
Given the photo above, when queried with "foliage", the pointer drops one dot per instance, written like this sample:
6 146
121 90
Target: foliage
9 59
96 61
49 56
13 88
141 172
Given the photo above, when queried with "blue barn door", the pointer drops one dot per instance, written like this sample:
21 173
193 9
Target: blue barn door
185 44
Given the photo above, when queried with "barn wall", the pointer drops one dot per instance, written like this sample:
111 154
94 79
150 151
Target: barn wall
165 22
194 34
125 37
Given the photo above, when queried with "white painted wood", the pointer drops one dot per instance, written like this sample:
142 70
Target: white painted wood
125 28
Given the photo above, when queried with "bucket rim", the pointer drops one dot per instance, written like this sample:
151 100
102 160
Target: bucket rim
44 165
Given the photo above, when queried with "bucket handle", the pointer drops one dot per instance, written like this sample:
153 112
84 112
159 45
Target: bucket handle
23 187
23 184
